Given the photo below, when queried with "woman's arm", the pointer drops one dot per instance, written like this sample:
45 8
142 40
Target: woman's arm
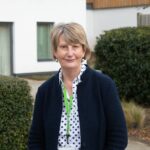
36 134
116 131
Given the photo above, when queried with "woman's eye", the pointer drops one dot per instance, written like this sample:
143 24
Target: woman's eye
75 46
63 46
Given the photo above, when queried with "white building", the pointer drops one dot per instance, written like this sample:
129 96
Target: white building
102 16
24 32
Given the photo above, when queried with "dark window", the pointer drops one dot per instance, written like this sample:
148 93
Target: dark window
44 52
143 19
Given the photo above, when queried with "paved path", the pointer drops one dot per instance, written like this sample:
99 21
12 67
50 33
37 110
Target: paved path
137 145
132 143
34 86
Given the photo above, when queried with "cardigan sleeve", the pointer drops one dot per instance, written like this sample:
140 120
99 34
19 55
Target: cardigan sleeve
116 131
36 137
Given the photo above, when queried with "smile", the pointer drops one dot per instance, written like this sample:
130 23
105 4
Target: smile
69 60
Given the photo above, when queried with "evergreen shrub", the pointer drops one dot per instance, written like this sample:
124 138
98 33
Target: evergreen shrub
15 113
124 54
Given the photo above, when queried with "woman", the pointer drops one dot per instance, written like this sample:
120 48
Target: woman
78 108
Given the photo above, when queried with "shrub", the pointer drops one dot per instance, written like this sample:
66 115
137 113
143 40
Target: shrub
134 114
91 61
15 113
124 54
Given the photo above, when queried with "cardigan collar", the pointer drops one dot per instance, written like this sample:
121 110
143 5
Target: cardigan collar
76 79
84 77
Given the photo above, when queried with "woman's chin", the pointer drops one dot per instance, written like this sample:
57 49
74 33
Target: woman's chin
70 66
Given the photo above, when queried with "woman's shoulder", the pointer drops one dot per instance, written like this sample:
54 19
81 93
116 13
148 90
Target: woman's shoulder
49 82
99 76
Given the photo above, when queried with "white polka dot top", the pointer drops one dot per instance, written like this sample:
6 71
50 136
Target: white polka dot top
75 137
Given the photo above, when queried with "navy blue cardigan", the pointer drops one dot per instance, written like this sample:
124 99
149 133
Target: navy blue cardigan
101 117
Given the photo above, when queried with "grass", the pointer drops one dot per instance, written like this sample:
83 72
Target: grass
142 134
134 114
138 121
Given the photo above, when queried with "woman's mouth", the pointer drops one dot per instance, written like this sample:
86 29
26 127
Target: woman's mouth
70 60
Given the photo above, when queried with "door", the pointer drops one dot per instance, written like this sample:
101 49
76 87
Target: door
5 49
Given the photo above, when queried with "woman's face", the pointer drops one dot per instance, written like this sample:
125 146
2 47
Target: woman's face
69 55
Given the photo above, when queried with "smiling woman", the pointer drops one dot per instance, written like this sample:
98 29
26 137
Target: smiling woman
72 33
69 55
78 108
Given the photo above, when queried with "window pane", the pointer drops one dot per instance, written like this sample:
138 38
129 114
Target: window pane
5 68
43 41
143 19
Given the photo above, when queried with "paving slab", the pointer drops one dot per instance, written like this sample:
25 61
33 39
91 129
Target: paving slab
134 144
34 84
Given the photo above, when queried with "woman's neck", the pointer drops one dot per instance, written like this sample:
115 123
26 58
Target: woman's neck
70 74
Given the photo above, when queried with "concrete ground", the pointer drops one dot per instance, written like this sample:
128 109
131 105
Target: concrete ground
133 144
34 86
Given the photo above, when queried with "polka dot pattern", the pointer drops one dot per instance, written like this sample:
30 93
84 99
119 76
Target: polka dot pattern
75 137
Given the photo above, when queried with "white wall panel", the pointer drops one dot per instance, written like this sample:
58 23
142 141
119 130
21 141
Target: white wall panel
25 14
105 19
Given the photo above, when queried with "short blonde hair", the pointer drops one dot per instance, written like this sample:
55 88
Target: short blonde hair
73 33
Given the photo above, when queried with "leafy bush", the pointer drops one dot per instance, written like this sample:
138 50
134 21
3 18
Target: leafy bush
124 54
91 61
15 113
134 114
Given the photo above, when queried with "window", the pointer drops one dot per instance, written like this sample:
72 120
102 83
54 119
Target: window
143 19
44 52
89 6
5 48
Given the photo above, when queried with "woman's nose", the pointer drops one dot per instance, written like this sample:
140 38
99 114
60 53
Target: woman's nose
70 50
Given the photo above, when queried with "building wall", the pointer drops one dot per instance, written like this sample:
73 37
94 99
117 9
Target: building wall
24 14
101 20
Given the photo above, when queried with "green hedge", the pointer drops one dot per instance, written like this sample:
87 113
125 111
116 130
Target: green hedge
15 113
124 54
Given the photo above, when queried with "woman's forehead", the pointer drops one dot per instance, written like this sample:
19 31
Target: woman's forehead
68 40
